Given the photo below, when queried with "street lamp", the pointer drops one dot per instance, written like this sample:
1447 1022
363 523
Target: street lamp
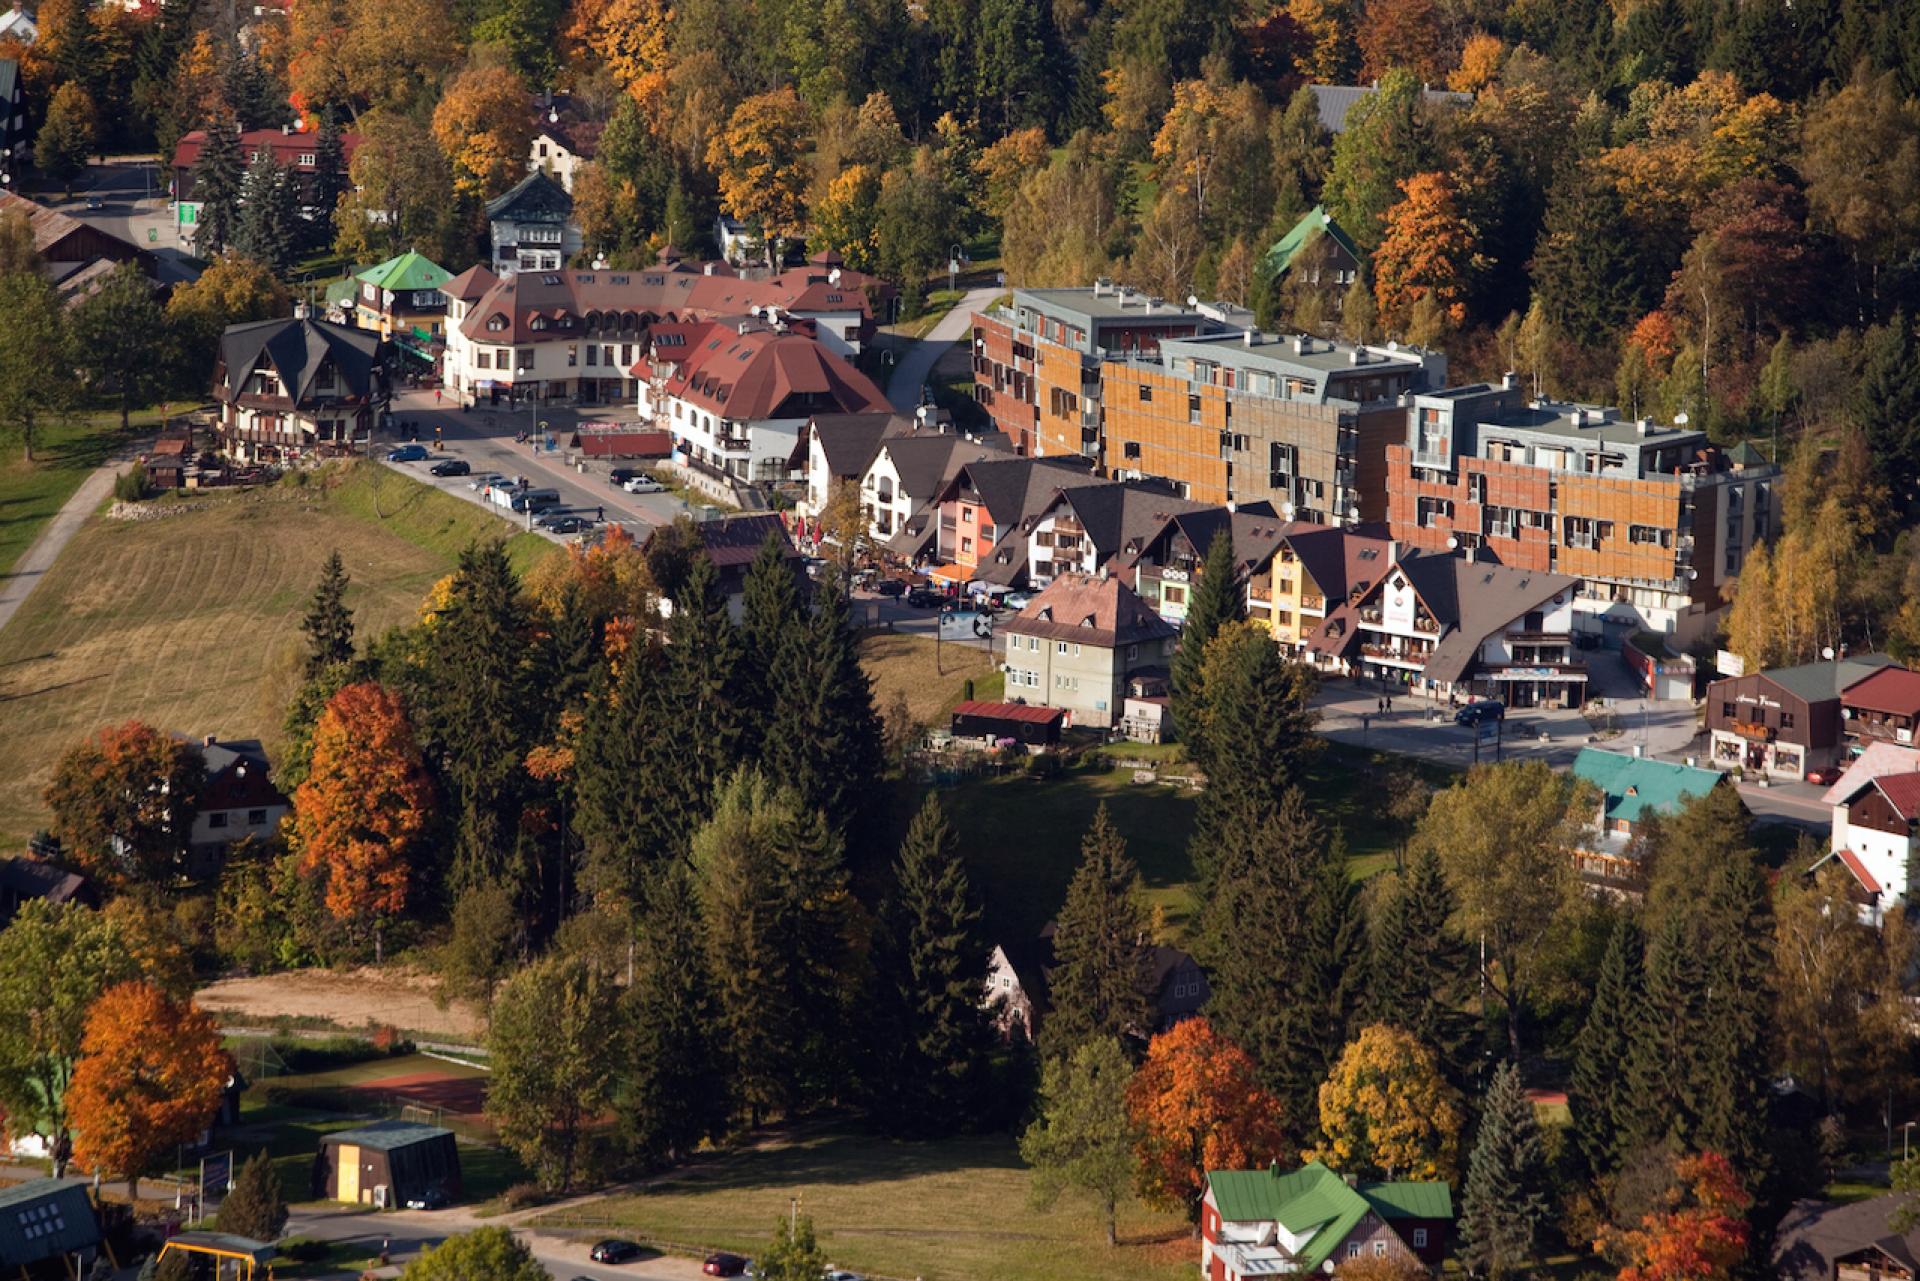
953 268
1906 1137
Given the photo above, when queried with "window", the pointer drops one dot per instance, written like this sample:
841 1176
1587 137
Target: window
1060 647
593 354
1353 1249
1146 394
1726 711
966 515
1786 720
573 355
482 359
966 544
308 160
218 819
1379 1249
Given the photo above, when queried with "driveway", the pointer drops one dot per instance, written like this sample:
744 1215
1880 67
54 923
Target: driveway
916 363
406 1232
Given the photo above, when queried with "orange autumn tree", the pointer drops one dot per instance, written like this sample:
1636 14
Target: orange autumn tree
1697 1232
1427 250
1198 1104
150 1076
364 806
482 124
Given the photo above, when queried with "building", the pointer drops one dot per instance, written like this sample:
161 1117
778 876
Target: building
239 799
1785 722
1013 722
1163 565
1876 824
1629 789
387 1164
44 1220
901 489
1883 708
294 150
736 397
17 24
295 389
1456 627
531 226
1019 988
1084 529
1037 363
1819 1241
1654 521
1076 644
835 451
1315 258
403 298
27 879
975 527
1260 1223
1336 101
562 139
1316 569
738 244
76 256
1659 671
730 545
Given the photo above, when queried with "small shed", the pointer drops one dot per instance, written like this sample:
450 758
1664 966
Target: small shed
167 464
388 1163
1033 726
1659 671
237 1257
605 443
45 1219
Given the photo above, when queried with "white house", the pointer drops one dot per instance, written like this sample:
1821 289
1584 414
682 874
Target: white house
16 24
1876 824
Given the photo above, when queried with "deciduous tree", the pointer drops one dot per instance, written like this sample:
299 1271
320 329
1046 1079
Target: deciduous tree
552 1029
794 1254
1385 1109
66 136
1698 1230
36 355
1403 34
123 802
483 126
150 1076
1082 1137
493 1253
480 952
1387 139
1426 252
760 161
120 339
1198 1106
231 291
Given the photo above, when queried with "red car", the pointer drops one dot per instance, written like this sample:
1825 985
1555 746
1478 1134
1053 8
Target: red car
724 1265
1825 776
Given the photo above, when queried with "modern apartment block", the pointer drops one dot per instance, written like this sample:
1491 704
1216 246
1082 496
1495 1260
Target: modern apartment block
1653 521
1037 363
1303 423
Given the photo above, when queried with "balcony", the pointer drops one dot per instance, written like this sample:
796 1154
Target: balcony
1370 615
1397 656
1259 592
1313 604
1428 625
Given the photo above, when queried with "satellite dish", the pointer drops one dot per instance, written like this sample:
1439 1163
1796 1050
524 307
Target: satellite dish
1680 419
1453 543
1826 652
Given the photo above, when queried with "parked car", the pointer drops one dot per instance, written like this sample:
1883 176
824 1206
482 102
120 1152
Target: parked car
837 1274
535 500
924 598
644 484
1825 776
429 1199
619 476
484 481
409 454
1017 601
451 467
890 587
614 1250
563 523
722 1264
1487 709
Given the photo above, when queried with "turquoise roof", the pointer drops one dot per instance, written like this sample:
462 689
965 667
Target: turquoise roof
409 271
1313 224
1636 786
1315 1199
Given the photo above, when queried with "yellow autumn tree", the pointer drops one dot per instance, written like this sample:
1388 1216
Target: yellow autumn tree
631 38
1427 251
848 218
1696 140
760 160
483 127
1005 165
1330 55
1480 61
1386 1111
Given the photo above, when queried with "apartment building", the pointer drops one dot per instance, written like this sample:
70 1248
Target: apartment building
980 516
1653 521
1079 642
1037 363
1163 566
1303 423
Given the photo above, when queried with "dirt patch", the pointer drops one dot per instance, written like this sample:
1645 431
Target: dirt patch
348 999
461 1095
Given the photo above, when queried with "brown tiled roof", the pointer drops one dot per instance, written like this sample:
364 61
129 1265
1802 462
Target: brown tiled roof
736 540
1094 611
287 148
471 283
1891 689
1009 711
751 376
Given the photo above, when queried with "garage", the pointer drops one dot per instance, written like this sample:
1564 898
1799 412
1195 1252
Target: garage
47 1227
388 1163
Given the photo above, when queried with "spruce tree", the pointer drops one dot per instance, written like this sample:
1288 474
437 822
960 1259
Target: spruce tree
1422 972
268 223
1214 600
1731 1050
217 175
631 811
254 1207
824 739
703 685
1101 947
771 618
1662 1070
1598 1093
671 1094
329 623
329 182
1329 974
933 969
1505 1201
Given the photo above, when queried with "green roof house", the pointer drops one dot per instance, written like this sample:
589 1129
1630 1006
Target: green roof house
1340 257
1261 1223
1631 790
404 298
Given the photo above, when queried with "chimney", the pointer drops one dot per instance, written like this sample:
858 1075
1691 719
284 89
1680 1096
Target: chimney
1359 356
1246 337
208 741
1393 550
746 327
286 131
1644 426
1300 342
707 270
300 310
1509 380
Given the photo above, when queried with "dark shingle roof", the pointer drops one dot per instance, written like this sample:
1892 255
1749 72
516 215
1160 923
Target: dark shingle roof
1818 682
1815 1233
535 198
387 1136
1472 600
297 348
44 1219
1095 611
736 540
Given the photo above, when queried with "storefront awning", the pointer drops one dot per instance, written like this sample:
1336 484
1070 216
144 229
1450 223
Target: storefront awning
955 574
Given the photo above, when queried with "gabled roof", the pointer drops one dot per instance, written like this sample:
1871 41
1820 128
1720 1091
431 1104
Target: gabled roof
1009 711
925 461
1853 863
1745 455
471 283
1814 1234
768 374
1120 518
287 148
45 1219
1879 758
411 270
1093 611
1891 689
736 540
1635 786
1014 488
1335 101
535 198
1902 792
1314 1200
1313 224
1471 600
238 776
297 348
1819 682
850 441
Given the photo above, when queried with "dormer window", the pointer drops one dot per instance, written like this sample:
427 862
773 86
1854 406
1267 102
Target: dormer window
496 323
539 322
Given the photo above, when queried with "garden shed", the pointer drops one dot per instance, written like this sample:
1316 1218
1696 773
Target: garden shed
388 1163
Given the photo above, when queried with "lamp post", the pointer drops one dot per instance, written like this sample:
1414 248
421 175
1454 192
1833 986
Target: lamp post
953 268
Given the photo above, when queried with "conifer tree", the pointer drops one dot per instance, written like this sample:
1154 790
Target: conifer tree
629 812
670 1096
771 617
933 965
1504 1203
1101 947
329 623
1214 600
703 685
1422 971
329 181
1328 975
1662 1074
254 1207
824 740
217 175
1731 1054
1598 1093
269 215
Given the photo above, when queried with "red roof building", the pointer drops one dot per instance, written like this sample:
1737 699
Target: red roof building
293 150
1018 722
1883 707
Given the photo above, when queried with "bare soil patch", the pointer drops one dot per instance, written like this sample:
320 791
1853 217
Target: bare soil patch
348 999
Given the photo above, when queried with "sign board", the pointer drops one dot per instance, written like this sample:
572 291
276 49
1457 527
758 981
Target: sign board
216 1174
965 624
1729 663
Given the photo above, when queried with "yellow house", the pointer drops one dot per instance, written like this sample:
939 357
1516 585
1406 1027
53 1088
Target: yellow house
403 298
1314 569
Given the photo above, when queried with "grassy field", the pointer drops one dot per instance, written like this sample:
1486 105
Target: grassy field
932 676
942 1211
31 492
191 623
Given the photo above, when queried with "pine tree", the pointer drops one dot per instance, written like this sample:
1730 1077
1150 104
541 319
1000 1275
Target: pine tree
329 181
1591 281
1214 600
1328 975
932 969
771 619
703 684
1732 1044
670 1096
267 230
824 740
1662 1072
255 1207
217 175
1101 947
1422 972
1598 1092
631 812
329 623
1886 406
1505 1202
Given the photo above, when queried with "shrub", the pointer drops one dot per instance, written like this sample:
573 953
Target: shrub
522 1195
131 486
302 1249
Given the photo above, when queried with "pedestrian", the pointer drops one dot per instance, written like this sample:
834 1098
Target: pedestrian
600 514
1389 702
1380 704
436 395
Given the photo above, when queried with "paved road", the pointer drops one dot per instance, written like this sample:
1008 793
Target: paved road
33 564
911 374
132 193
408 1232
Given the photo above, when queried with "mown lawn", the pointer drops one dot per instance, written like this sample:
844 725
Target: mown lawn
931 675
956 1210
64 452
191 622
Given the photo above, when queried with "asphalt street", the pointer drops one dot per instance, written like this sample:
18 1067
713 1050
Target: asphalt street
406 1232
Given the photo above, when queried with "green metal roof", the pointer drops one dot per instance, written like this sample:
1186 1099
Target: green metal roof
1313 1199
1315 223
43 1219
1635 786
1745 455
386 1136
409 271
1410 1200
